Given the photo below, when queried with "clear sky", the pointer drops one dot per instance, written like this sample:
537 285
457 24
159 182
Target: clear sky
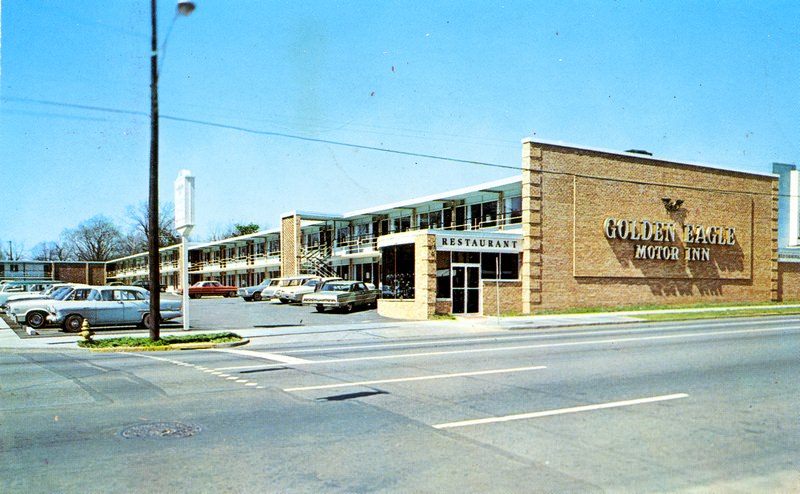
262 99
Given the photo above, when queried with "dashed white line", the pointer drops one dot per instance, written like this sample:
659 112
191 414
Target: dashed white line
561 411
417 378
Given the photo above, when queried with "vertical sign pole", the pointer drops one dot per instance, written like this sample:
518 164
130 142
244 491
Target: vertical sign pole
497 287
185 281
184 222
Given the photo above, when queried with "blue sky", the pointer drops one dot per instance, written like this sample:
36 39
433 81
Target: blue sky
245 85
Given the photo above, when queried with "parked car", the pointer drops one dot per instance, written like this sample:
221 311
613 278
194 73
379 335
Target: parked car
110 306
210 288
146 285
253 293
299 286
51 292
344 295
34 313
269 291
11 288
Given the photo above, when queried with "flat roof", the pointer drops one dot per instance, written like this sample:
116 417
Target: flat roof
563 144
451 194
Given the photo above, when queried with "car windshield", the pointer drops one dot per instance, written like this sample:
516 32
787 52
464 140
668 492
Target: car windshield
335 287
264 283
59 292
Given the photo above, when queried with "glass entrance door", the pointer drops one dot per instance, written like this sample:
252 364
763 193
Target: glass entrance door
466 283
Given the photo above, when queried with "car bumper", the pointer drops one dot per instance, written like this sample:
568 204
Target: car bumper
325 303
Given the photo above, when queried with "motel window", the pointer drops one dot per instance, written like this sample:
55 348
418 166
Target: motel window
398 271
402 224
509 266
513 209
443 275
461 218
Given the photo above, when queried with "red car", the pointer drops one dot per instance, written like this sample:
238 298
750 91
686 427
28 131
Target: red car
210 288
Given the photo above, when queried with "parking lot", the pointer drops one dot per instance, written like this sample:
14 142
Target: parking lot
230 313
219 313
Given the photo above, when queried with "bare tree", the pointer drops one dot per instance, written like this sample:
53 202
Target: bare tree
50 251
136 240
96 239
222 232
232 230
12 251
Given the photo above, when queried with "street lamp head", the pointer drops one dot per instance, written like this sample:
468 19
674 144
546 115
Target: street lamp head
185 7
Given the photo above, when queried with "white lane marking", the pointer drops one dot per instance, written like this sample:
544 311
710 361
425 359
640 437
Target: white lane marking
524 347
284 359
418 378
561 411
502 338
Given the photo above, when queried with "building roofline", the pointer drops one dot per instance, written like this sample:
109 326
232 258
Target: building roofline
435 197
563 144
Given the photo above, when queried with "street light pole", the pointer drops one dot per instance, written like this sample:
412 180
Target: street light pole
184 8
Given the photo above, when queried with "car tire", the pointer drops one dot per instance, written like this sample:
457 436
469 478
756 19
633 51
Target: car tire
256 297
146 321
320 308
36 319
73 323
348 308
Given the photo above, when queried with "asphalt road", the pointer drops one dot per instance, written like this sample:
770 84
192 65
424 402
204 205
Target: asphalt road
692 407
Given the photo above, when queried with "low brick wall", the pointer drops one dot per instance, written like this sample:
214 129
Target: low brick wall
403 309
510 297
788 281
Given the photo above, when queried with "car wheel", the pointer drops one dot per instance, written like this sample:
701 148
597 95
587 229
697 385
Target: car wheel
146 321
348 308
320 308
256 297
231 294
73 323
36 319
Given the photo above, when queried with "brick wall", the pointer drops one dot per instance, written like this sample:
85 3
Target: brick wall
510 297
290 245
788 281
568 261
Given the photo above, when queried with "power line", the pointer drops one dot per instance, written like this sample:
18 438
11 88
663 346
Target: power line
264 132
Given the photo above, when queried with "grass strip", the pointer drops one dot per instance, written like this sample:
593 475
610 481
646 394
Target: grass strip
164 343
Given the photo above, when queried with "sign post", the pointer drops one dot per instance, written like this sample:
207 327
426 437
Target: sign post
184 222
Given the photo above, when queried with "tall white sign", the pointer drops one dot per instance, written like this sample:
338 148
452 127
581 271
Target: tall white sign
184 202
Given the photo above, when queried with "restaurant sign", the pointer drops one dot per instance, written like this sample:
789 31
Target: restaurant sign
468 242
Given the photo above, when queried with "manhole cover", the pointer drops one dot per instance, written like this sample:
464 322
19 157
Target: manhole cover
161 430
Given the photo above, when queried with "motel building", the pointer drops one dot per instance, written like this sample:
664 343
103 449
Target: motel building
578 228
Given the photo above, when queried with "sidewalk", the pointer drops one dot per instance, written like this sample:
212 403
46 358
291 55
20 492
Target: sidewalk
365 332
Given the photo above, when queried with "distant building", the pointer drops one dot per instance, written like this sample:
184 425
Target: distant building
69 271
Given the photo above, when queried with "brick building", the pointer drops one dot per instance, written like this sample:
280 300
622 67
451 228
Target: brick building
579 228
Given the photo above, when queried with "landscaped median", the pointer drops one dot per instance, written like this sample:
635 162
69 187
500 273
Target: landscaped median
183 342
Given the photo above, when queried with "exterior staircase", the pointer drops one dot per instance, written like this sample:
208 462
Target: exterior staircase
316 260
